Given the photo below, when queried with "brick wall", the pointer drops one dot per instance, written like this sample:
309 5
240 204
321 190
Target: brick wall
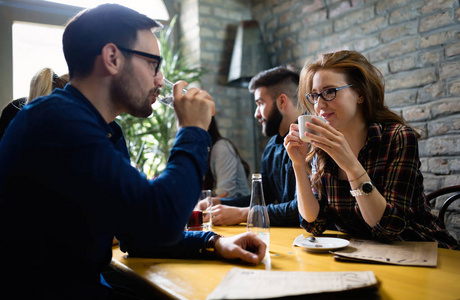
209 30
415 43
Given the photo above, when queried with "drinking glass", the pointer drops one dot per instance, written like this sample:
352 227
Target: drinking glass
195 222
166 95
205 197
201 218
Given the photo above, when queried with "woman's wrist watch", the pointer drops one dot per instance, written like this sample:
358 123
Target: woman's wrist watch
365 189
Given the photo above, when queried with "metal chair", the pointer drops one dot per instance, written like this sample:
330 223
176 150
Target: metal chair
455 190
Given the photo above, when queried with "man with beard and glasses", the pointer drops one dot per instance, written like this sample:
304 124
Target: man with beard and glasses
66 183
275 93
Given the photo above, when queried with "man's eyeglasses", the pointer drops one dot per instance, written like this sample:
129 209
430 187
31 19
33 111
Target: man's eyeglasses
154 60
327 94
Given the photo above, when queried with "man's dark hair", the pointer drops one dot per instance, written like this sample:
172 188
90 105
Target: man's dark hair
90 30
278 80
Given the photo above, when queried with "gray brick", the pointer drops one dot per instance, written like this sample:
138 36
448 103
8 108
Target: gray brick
431 182
453 49
431 92
397 32
424 165
372 26
440 146
436 21
452 180
310 6
445 107
439 165
402 64
454 164
434 6
449 69
429 58
365 43
315 31
409 79
408 12
454 88
448 125
384 6
417 113
436 39
394 49
282 6
354 18
401 98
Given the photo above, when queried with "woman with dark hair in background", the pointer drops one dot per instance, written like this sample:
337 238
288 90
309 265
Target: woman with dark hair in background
227 172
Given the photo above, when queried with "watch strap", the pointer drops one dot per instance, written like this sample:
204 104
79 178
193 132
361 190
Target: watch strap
210 247
357 192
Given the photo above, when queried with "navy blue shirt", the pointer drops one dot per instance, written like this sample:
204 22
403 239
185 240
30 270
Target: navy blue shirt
67 188
278 179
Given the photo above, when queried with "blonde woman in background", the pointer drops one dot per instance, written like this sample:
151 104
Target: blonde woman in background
42 84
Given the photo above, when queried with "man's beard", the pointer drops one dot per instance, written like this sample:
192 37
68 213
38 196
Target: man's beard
126 91
272 122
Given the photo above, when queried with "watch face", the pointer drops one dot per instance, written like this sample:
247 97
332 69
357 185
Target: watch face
367 187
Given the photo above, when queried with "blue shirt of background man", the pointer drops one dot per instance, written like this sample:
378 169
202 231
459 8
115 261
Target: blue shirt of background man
279 184
67 187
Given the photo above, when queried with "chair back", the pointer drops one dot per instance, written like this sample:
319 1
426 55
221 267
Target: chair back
431 197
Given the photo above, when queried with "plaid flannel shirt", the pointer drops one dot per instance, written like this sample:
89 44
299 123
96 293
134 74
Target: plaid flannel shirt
390 157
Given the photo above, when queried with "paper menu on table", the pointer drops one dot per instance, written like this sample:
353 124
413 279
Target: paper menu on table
261 284
399 253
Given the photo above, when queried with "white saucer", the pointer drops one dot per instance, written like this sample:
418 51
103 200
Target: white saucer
321 243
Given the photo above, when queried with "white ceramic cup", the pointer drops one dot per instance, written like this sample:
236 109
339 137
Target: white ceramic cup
302 128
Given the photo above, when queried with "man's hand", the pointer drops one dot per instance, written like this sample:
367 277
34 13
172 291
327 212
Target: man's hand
246 246
229 215
195 108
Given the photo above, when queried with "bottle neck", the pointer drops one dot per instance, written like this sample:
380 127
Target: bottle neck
257 193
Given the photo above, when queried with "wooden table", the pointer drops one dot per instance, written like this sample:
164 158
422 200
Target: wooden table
195 279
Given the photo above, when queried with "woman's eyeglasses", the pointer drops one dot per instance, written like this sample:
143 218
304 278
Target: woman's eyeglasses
327 94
